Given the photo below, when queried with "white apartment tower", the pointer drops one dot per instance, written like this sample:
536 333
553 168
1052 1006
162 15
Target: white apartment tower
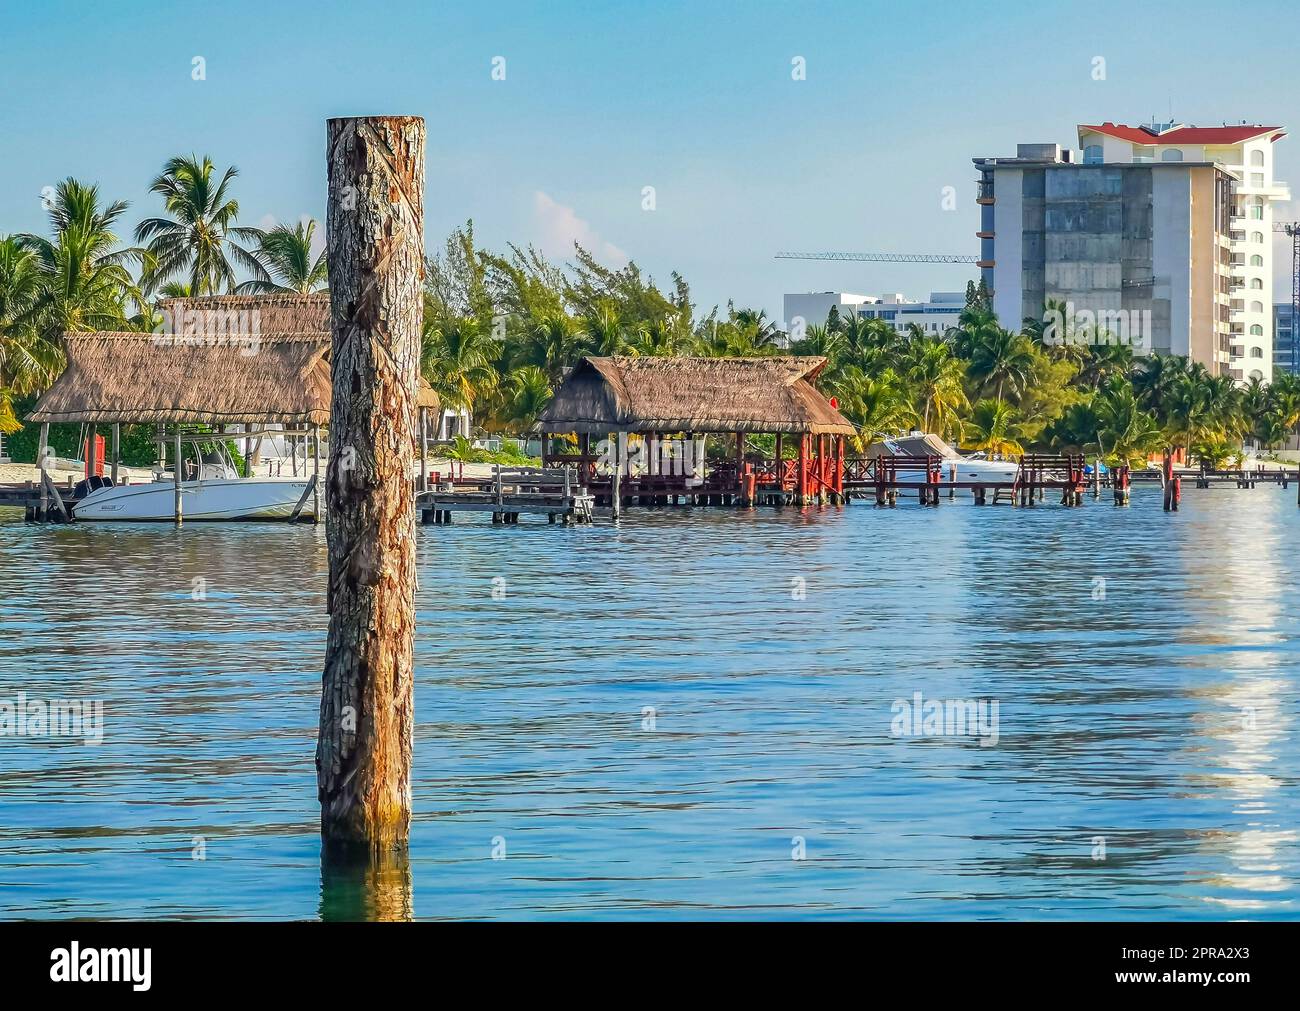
1170 222
1246 154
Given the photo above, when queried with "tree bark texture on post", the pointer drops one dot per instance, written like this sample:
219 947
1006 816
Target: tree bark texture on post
376 272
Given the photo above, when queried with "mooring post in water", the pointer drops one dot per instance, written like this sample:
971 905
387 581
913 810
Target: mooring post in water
315 474
42 462
176 472
375 245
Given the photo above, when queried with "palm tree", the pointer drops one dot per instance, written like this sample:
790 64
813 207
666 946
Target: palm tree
457 357
1077 429
936 376
992 428
199 239
1197 408
84 284
755 321
1101 361
823 343
877 405
659 337
1126 434
743 334
1155 376
603 331
285 253
1001 358
552 344
975 325
528 391
28 361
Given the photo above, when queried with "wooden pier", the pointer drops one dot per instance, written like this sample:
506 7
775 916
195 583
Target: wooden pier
511 492
46 500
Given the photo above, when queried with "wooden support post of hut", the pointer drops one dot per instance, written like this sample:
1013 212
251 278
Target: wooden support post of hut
424 449
315 474
617 450
42 462
740 468
376 263
801 481
117 450
176 473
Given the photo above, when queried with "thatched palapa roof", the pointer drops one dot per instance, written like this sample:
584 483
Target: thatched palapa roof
274 312
624 394
214 379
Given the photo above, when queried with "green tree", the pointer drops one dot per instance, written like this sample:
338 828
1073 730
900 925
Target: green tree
200 238
528 392
286 257
458 359
84 284
992 428
1001 361
936 377
877 405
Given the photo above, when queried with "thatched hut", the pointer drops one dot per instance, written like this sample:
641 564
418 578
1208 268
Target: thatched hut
175 379
674 404
251 380
268 378
273 312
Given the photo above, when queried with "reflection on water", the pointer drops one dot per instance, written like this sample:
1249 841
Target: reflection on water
365 886
654 719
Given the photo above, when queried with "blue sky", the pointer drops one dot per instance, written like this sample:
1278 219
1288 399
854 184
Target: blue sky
603 99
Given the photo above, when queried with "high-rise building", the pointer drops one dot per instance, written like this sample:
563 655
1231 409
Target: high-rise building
1162 231
1285 353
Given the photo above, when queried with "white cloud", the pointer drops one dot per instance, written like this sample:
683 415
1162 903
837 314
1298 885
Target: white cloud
559 227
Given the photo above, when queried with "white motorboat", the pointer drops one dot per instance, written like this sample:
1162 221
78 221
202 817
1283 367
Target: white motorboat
240 498
953 466
217 493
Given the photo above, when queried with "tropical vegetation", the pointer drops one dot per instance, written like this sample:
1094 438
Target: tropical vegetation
501 328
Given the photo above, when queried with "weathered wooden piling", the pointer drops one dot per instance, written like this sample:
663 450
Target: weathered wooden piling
1121 484
1171 483
176 474
43 462
376 268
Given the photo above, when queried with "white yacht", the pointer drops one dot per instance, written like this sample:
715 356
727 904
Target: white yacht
954 466
216 493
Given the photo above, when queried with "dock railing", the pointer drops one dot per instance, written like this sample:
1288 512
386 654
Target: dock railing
555 492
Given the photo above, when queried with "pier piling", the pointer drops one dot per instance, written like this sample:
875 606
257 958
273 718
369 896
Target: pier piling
376 265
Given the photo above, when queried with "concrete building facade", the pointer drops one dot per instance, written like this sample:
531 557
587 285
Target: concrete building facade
1286 356
1162 228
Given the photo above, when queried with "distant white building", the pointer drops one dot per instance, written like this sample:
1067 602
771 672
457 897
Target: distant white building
934 316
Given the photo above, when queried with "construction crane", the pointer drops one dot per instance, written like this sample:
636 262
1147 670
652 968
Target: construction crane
1292 228
882 257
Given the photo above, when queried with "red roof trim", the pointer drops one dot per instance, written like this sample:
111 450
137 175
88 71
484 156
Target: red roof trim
1185 135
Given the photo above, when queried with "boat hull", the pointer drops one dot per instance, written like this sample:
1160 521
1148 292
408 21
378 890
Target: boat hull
234 499
966 472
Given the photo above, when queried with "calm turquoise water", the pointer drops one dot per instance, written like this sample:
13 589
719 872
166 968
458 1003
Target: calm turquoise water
1161 718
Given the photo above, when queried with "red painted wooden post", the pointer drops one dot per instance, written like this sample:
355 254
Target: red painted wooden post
803 468
740 463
